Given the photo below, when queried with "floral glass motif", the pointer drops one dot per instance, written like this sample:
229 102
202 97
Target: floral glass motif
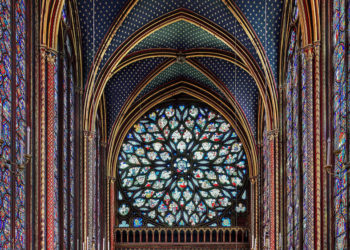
12 197
182 165
71 171
5 93
292 136
20 122
340 116
67 143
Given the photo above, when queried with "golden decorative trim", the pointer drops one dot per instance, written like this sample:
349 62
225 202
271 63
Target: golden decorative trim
272 134
90 112
89 134
171 53
154 100
253 179
185 229
318 143
42 122
241 120
51 58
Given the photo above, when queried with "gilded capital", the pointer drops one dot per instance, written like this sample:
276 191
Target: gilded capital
272 134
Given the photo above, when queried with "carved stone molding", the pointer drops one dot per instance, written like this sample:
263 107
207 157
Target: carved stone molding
90 135
272 134
79 90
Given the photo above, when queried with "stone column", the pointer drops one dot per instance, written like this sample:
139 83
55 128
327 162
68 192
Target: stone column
104 196
41 148
89 164
318 146
253 210
50 146
112 211
272 136
310 152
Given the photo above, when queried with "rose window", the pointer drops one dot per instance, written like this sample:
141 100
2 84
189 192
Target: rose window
181 165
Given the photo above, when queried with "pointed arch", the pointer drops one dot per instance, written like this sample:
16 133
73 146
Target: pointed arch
232 113
93 94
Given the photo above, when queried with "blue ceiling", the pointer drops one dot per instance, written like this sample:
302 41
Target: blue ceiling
121 85
146 10
105 12
180 71
239 82
180 35
254 11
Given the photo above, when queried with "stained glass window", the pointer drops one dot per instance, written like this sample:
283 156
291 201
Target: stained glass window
292 113
65 95
20 122
340 127
13 122
5 80
293 178
181 165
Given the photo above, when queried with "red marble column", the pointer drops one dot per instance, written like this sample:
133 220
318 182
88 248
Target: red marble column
50 192
40 147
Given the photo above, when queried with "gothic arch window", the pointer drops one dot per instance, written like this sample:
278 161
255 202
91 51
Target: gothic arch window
65 139
293 138
14 119
341 120
181 165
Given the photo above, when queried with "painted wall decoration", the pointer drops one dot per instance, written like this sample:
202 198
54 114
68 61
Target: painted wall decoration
181 164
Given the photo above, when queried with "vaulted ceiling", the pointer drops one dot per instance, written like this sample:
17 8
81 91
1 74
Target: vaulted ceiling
206 58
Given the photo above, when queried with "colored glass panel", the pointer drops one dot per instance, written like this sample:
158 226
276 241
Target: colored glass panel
65 156
71 176
5 88
20 122
182 165
292 136
97 194
340 129
68 176
64 13
296 169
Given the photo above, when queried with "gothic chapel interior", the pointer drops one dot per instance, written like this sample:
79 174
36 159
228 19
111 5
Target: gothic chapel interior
174 124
